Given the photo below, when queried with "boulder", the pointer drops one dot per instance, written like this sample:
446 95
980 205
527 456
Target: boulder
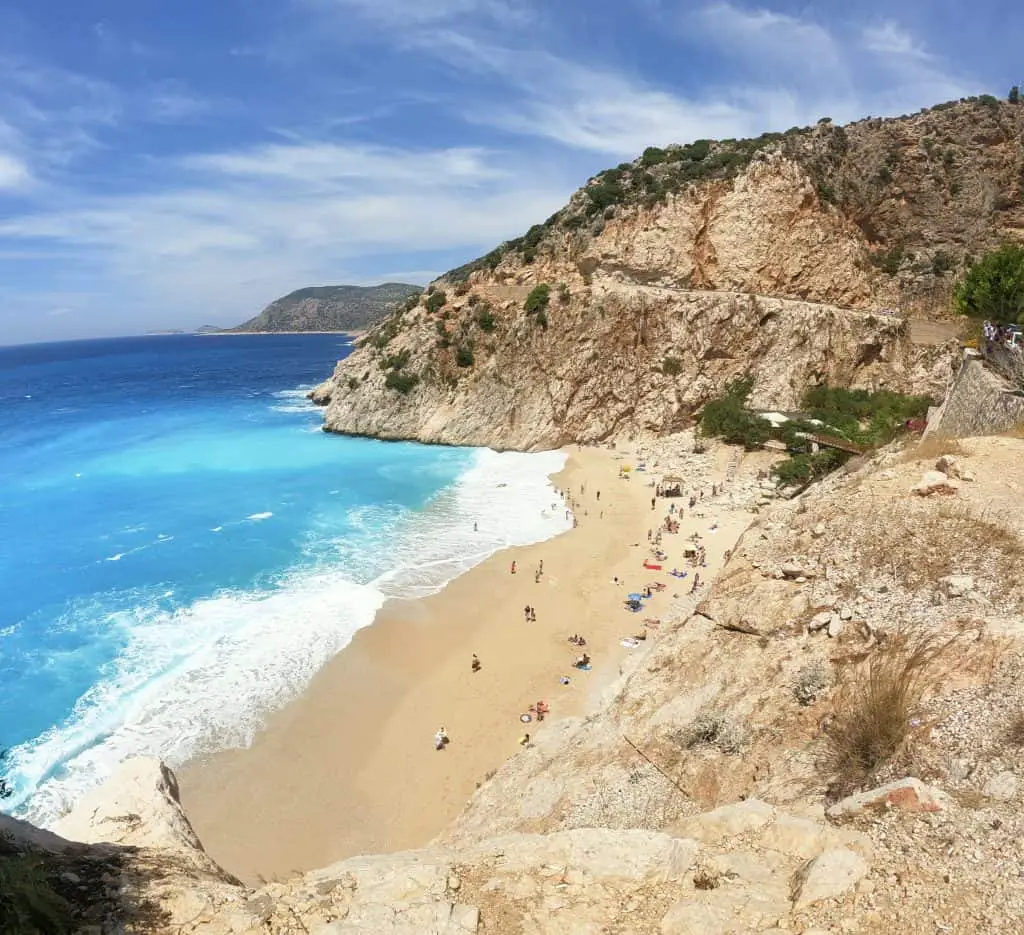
820 621
727 821
794 570
1002 786
829 875
949 465
957 585
909 795
935 483
835 626
818 530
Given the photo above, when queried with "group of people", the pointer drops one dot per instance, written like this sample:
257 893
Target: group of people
1008 336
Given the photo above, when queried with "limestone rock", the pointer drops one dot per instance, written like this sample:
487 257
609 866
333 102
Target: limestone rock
137 806
820 621
835 626
908 795
935 483
831 874
1002 786
957 585
727 821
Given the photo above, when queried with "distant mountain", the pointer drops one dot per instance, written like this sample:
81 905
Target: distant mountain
330 308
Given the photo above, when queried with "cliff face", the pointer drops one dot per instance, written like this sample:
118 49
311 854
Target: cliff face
330 308
623 360
794 258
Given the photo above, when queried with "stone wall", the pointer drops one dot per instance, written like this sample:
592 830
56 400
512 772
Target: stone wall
979 403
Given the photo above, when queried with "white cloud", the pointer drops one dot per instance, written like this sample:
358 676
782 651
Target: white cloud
413 14
889 39
238 227
14 174
764 39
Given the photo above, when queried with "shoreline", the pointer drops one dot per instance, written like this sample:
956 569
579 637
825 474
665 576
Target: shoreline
349 767
236 334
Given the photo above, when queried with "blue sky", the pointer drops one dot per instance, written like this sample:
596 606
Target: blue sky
176 164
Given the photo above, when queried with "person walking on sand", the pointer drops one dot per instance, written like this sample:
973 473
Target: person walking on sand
513 570
599 495
475 527
475 664
526 613
533 615
540 567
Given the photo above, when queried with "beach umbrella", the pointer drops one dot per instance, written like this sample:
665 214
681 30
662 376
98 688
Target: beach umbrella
635 597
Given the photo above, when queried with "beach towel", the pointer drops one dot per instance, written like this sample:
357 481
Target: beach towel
629 642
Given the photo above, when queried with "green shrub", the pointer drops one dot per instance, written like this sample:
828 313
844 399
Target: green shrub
352 383
485 319
464 355
988 100
538 299
993 287
671 366
727 418
652 156
542 319
889 261
395 361
436 301
403 383
941 263
29 904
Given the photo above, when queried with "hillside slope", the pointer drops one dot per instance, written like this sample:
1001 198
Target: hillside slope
330 308
784 257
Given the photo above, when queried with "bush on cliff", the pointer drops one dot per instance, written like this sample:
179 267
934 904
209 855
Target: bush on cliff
993 287
436 301
538 299
464 355
727 418
401 382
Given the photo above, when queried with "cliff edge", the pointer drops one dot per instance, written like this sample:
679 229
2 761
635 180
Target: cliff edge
795 258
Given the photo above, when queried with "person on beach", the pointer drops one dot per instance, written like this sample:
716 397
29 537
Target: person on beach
441 739
533 615
475 664
599 495
536 577
524 741
513 567
540 568
653 502
526 613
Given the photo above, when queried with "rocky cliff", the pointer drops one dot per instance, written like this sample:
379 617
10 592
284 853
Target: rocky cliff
794 257
330 308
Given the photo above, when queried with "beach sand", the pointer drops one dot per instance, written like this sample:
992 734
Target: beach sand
350 766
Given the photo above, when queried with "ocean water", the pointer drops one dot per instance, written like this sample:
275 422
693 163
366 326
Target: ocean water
182 548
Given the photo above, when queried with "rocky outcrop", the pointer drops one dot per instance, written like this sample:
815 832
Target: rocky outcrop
781 258
618 359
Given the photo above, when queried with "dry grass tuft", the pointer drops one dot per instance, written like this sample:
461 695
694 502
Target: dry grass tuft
874 705
932 448
1015 730
920 543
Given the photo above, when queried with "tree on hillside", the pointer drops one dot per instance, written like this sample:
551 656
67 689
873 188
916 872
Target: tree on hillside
993 287
1014 96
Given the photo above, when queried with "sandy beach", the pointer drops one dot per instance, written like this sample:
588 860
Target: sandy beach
350 766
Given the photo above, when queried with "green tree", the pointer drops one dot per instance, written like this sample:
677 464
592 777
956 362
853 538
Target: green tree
993 287
1014 96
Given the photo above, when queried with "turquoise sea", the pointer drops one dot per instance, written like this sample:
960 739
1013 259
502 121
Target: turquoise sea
181 547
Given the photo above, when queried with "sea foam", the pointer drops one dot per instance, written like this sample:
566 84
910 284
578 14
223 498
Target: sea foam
204 677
